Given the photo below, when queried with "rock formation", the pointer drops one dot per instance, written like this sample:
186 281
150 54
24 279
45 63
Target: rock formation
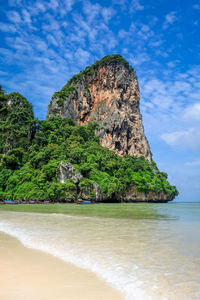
67 171
132 195
61 160
89 191
107 93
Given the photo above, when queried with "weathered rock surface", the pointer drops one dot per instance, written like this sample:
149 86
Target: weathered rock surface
67 171
91 192
132 195
107 93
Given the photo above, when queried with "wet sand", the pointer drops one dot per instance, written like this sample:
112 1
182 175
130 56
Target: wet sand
27 274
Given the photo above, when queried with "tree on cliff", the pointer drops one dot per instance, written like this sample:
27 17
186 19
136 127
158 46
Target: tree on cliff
31 152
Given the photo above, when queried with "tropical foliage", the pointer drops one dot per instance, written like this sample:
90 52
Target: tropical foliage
31 151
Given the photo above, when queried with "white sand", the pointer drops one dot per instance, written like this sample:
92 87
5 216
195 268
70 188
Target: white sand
27 274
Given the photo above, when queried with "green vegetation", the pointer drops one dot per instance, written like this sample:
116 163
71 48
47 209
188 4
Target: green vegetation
16 121
108 210
70 87
31 151
64 93
107 60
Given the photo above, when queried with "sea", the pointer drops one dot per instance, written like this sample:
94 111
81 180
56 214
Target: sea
154 256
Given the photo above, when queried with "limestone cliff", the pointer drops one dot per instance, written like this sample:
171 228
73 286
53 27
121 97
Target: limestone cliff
60 160
108 93
132 195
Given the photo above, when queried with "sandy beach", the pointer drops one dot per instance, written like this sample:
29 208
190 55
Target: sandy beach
28 274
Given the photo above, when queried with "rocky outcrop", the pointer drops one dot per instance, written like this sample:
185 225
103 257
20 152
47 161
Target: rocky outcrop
91 192
83 190
107 93
132 195
86 189
67 171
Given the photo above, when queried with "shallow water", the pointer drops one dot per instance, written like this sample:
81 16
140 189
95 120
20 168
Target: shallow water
156 258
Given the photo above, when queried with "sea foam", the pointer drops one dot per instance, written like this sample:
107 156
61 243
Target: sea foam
38 232
144 259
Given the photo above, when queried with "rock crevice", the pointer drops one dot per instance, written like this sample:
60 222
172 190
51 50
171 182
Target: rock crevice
107 93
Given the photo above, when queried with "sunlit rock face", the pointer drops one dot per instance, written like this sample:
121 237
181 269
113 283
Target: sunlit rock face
107 93
67 171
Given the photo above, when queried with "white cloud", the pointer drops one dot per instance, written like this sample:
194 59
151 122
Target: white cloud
7 27
136 5
14 16
138 59
69 4
170 108
123 33
40 45
173 64
139 35
91 11
21 45
180 88
52 40
108 13
192 113
15 2
111 42
121 3
82 57
145 32
188 139
53 4
169 19
26 16
128 34
39 7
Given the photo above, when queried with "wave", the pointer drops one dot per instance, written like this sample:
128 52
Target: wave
49 234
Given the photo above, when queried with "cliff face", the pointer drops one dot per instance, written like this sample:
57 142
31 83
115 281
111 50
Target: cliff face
107 93
61 161
132 195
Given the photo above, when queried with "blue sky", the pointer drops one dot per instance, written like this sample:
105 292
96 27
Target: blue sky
43 43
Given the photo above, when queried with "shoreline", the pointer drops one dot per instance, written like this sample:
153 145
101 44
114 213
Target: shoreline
31 274
105 210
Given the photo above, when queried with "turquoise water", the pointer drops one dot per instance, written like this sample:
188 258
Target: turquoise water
155 258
